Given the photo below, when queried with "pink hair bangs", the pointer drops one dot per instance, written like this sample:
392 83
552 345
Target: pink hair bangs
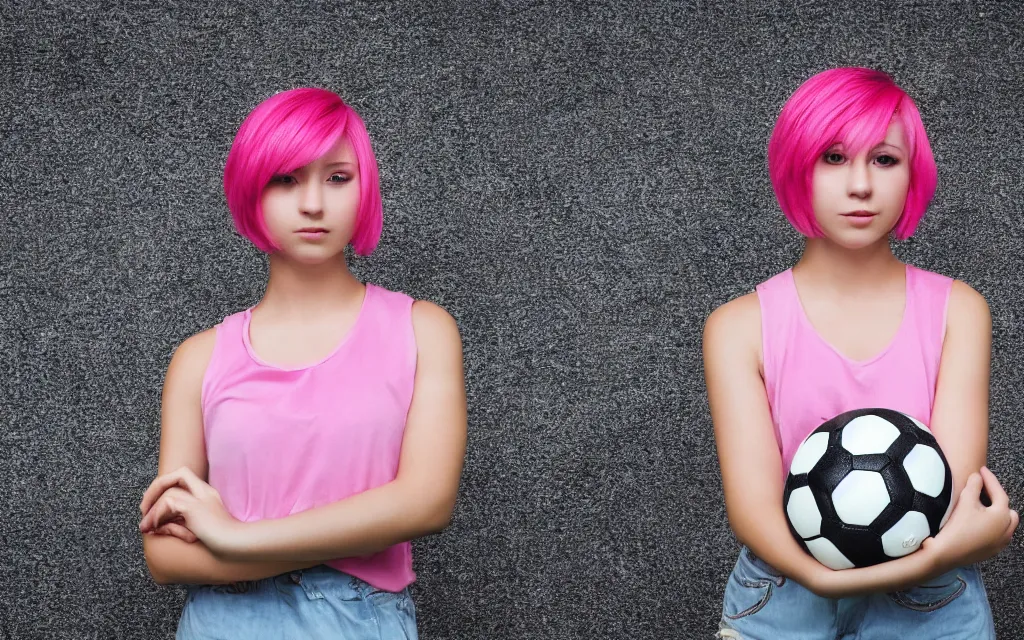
286 132
852 106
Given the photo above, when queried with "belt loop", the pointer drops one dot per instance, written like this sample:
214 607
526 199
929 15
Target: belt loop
358 586
311 590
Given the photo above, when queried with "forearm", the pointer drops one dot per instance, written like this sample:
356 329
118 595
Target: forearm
174 561
773 543
770 540
360 525
894 575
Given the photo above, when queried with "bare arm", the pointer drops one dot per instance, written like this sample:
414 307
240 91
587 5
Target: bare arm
419 501
174 561
960 425
748 453
960 413
171 559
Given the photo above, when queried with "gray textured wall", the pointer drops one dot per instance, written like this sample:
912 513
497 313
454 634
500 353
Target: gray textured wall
579 186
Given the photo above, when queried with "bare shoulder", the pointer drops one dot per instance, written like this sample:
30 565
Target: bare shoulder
198 347
433 325
968 310
192 356
735 322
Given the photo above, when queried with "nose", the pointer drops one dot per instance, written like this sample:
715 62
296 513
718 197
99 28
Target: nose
858 180
311 200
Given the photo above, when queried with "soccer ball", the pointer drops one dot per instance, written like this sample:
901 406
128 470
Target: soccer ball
866 487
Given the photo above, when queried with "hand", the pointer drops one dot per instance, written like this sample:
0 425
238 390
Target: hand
181 500
975 532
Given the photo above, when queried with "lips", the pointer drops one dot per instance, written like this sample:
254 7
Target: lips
859 214
312 230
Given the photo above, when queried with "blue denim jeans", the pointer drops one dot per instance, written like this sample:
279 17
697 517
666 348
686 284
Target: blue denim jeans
760 604
314 603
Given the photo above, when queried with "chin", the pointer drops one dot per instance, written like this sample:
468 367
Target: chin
857 241
312 256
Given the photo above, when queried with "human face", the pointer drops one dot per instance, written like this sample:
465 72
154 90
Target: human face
858 200
311 212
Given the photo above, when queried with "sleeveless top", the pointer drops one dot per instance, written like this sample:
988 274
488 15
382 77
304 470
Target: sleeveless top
283 440
809 382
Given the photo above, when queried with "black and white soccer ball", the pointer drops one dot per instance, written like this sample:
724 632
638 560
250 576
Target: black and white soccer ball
866 487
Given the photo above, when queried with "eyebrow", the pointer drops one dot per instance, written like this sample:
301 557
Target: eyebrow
343 163
840 145
887 144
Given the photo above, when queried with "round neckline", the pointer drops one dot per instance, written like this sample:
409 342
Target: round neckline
345 339
907 302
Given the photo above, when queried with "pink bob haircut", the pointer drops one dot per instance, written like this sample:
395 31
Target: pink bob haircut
853 106
288 131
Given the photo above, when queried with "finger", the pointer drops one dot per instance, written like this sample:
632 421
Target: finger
147 523
167 509
150 495
972 488
1014 521
178 531
183 477
157 488
995 490
160 514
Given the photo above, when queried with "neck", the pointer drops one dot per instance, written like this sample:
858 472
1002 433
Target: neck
825 262
303 289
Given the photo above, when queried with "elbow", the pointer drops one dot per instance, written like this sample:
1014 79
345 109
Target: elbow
437 516
157 569
438 521
738 526
441 522
741 535
160 579
422 509
157 573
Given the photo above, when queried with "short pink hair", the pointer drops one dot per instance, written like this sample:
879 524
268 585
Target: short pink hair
288 131
853 106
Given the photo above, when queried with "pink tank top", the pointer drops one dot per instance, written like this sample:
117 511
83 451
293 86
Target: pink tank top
809 382
283 440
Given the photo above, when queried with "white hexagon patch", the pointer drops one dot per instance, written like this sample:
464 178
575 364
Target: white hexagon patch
803 513
860 497
869 434
906 535
926 471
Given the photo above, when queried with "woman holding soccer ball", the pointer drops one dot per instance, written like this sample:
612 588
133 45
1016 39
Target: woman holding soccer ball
848 327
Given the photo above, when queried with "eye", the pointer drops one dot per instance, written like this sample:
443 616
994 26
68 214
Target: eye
885 160
339 178
282 179
834 157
